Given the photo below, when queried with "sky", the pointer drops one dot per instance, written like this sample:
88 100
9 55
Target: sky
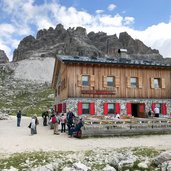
146 20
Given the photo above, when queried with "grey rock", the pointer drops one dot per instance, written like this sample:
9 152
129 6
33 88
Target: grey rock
109 168
76 41
80 167
163 157
3 57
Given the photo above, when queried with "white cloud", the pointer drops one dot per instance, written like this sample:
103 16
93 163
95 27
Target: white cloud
111 7
99 11
25 16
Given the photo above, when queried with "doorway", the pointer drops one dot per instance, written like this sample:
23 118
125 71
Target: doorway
135 109
138 110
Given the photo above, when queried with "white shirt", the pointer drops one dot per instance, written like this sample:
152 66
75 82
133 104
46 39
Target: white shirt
156 110
33 123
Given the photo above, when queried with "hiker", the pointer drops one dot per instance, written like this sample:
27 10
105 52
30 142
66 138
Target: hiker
149 114
19 118
32 125
70 117
76 129
36 123
45 116
156 111
55 121
63 122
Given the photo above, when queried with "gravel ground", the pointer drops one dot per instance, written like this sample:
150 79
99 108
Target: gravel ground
18 139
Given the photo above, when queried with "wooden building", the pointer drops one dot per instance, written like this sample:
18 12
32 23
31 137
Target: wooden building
102 86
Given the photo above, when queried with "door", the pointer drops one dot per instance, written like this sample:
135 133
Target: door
135 109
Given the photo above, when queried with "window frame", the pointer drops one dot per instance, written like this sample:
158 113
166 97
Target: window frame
82 81
84 109
158 84
108 82
113 109
134 84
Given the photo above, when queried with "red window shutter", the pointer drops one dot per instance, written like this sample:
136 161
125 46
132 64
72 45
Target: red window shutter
142 107
117 108
105 106
164 109
54 108
60 108
129 109
79 108
92 108
153 106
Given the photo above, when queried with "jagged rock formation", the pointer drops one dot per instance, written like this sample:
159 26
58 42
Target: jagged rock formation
3 57
76 41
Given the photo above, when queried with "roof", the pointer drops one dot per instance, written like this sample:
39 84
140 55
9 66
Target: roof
109 60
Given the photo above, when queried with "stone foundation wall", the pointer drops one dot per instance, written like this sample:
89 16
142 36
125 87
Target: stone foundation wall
71 104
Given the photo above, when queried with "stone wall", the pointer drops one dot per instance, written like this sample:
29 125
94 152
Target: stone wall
71 104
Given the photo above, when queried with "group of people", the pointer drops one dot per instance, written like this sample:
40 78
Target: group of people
70 120
32 125
73 125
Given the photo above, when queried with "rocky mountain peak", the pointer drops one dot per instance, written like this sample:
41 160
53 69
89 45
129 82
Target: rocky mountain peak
3 57
76 41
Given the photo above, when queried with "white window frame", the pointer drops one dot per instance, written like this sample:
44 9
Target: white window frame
85 82
134 82
85 106
110 83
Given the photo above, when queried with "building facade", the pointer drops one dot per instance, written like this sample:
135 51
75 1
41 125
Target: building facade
102 86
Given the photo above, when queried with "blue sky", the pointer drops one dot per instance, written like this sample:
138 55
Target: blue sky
147 20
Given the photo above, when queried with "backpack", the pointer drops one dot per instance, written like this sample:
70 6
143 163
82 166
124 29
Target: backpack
54 119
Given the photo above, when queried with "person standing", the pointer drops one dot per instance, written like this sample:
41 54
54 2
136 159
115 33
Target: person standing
19 118
55 120
45 116
33 125
63 123
156 111
70 118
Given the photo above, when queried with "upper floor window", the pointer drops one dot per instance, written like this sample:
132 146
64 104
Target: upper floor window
134 82
110 81
85 80
156 82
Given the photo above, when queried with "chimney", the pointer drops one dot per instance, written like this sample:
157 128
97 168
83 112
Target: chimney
123 53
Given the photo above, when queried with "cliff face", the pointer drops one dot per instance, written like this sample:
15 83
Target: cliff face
3 57
76 41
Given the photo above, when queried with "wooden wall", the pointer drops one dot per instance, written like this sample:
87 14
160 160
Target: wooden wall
72 73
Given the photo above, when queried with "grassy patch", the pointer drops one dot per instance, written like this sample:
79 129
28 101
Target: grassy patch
145 152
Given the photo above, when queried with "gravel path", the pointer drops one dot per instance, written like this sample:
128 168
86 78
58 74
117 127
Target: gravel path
18 139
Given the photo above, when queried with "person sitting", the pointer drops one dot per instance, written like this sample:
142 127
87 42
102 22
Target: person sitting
76 129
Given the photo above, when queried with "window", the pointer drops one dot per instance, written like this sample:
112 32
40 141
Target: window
111 108
85 108
110 81
156 83
134 82
85 80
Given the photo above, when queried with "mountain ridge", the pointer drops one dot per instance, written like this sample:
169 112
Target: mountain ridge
76 41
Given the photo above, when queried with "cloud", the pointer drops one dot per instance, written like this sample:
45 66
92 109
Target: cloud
99 11
25 17
111 7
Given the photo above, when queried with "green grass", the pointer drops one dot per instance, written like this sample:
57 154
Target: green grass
27 160
145 152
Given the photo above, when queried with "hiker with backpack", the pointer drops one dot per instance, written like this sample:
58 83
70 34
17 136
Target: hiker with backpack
55 121
70 118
